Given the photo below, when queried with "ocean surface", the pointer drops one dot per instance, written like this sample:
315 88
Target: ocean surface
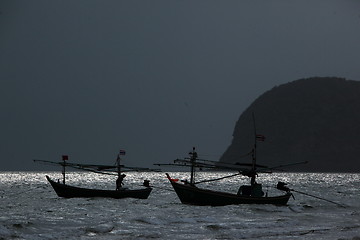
30 209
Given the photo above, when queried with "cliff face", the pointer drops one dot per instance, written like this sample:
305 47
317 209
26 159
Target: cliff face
314 119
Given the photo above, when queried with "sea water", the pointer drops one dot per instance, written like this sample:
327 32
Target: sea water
30 209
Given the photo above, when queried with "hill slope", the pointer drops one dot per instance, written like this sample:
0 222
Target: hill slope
314 119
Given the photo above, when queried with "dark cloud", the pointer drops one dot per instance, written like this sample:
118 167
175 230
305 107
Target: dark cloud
86 78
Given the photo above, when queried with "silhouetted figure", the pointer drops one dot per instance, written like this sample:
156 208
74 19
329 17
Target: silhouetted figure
119 181
146 183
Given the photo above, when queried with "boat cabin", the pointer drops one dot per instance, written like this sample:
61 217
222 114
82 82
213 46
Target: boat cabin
254 190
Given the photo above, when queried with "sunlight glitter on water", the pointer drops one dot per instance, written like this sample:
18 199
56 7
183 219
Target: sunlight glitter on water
31 209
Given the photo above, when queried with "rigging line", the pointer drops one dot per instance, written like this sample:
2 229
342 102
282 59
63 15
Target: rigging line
245 155
210 155
287 165
99 172
310 195
216 179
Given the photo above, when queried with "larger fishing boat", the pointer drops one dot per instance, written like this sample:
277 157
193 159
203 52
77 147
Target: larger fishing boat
190 193
67 191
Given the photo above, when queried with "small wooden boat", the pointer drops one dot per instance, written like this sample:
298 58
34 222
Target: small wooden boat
67 191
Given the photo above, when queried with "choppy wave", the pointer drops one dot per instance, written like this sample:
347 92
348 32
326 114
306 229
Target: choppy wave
31 210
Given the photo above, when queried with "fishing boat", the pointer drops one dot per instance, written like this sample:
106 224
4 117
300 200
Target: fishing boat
190 193
67 191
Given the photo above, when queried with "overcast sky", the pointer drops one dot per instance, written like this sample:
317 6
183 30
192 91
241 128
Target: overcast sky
88 78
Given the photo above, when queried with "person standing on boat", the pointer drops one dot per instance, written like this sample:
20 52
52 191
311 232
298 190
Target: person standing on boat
119 181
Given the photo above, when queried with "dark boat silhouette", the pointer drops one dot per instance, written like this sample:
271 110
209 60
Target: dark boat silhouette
67 191
190 193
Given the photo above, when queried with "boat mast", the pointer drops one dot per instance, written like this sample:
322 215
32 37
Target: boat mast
253 168
64 158
118 165
254 150
193 156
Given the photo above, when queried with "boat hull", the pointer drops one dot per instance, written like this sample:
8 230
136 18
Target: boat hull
66 191
196 196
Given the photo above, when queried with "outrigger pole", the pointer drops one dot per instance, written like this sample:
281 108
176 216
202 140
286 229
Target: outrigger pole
324 199
282 186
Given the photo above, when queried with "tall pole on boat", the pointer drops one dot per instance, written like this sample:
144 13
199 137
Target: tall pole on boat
257 137
121 152
253 168
118 165
64 158
254 150
193 160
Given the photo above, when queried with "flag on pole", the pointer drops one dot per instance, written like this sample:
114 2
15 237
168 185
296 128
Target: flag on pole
65 157
260 137
122 152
